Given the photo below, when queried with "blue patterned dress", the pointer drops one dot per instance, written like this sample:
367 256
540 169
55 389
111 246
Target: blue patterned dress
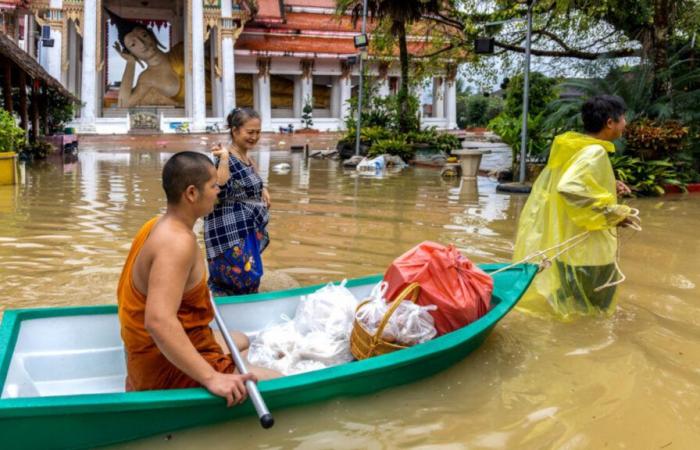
235 233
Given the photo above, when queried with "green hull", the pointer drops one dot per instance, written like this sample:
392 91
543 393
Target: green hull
84 421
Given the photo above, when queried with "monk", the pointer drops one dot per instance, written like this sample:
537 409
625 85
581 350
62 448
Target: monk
164 303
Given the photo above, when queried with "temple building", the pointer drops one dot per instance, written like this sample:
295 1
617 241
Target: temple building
154 65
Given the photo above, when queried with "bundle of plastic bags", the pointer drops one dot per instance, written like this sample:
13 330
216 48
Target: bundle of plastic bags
317 337
409 325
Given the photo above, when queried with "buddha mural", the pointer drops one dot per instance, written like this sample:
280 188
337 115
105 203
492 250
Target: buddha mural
162 83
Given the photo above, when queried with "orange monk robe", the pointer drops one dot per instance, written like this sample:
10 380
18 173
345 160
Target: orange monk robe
147 368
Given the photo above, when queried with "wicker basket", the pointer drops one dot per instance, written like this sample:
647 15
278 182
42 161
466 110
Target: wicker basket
363 344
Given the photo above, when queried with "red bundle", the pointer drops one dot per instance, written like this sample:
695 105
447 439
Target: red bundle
460 290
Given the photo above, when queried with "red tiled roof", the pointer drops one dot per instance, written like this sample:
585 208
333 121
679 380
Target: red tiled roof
311 3
304 44
269 10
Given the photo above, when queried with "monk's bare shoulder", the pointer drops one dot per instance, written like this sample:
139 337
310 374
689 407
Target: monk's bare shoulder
173 240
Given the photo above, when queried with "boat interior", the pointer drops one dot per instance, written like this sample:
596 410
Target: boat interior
83 354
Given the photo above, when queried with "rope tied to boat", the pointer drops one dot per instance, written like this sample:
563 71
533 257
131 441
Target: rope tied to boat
633 222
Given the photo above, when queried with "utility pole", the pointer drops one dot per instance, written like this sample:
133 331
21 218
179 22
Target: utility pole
362 73
526 93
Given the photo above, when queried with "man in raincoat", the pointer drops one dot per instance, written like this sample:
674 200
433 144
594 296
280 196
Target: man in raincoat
576 193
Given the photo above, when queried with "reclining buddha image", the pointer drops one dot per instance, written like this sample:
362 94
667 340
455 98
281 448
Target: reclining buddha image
162 82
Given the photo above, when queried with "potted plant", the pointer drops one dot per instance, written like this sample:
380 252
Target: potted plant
11 141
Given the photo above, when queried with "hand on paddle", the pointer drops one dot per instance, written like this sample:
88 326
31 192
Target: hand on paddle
230 386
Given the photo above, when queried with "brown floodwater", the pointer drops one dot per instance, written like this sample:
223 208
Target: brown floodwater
632 381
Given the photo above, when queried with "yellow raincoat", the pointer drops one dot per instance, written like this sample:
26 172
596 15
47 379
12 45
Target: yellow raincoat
574 193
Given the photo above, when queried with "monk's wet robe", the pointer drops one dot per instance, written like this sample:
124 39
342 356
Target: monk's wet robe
147 368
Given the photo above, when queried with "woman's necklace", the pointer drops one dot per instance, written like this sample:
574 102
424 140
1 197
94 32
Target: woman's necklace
242 158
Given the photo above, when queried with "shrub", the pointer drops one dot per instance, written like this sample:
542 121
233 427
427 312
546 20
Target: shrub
655 140
393 146
11 136
645 177
477 110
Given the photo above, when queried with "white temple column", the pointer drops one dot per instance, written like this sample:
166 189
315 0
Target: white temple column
297 99
307 83
451 104
264 97
228 78
417 90
335 97
383 79
216 106
383 88
345 94
199 98
438 97
31 46
72 77
53 54
88 81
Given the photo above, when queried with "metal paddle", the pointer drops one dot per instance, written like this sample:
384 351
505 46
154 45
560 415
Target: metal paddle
266 420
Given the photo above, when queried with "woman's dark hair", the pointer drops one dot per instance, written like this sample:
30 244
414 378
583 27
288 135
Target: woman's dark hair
239 116
597 110
182 170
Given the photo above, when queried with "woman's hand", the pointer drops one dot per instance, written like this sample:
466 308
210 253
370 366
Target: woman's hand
220 152
266 198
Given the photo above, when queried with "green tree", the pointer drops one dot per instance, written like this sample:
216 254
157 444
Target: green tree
399 14
581 29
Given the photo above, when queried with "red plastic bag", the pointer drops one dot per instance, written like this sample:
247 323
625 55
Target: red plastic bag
460 290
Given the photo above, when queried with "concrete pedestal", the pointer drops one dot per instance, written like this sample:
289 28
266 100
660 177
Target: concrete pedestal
470 160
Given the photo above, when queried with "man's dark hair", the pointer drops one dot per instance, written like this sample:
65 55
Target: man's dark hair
597 110
182 170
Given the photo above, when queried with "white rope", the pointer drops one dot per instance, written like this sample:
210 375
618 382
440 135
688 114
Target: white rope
633 222
546 261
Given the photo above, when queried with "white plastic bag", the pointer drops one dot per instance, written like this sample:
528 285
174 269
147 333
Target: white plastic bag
372 165
329 310
317 337
410 324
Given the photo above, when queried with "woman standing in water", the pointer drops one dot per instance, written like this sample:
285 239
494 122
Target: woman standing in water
235 233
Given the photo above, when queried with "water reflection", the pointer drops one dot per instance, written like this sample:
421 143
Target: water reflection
631 382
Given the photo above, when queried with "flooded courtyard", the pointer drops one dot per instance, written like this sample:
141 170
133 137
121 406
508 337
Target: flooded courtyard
632 381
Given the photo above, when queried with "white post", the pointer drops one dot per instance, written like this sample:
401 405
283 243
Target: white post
199 104
217 109
451 104
31 46
72 82
438 97
335 98
228 81
383 90
264 98
345 94
297 100
88 79
53 54
307 92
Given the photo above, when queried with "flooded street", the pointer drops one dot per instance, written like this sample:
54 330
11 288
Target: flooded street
632 381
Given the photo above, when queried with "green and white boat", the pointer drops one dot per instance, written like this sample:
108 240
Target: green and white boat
62 370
